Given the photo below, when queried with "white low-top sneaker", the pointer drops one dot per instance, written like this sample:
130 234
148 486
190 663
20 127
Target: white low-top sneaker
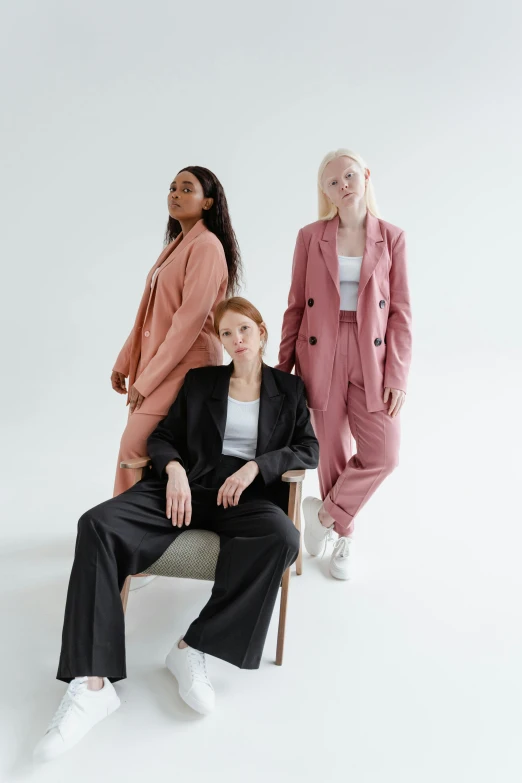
190 670
79 710
138 582
340 562
316 535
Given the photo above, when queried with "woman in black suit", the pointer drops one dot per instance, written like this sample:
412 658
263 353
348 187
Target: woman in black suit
217 461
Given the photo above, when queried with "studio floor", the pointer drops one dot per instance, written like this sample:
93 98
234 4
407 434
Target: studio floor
410 673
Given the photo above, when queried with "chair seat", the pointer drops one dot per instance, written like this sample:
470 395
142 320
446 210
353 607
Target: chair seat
192 555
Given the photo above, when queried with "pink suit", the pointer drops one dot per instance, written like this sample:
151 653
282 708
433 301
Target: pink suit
346 359
173 332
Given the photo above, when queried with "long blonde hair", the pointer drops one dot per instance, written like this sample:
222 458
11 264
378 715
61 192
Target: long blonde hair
327 210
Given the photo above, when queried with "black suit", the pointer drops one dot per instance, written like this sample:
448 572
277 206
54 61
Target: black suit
128 533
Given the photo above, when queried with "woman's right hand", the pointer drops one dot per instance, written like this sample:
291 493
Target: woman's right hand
118 382
179 497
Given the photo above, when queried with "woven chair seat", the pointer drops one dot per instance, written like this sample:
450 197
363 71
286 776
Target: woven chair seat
192 555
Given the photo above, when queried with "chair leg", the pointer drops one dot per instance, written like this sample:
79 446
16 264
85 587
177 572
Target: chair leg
282 618
299 561
137 475
125 593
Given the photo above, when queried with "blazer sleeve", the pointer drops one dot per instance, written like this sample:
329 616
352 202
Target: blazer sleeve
169 440
294 311
398 331
122 363
302 453
206 270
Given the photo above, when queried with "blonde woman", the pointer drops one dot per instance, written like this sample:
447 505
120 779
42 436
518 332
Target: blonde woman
347 331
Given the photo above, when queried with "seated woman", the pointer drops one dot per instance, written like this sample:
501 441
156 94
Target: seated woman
217 458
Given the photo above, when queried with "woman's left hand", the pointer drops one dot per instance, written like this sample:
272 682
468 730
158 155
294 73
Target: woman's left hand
135 399
397 400
230 492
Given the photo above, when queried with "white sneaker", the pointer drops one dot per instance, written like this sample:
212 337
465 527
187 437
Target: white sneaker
190 670
316 535
340 562
79 710
141 581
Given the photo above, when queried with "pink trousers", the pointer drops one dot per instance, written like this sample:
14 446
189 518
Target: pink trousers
347 480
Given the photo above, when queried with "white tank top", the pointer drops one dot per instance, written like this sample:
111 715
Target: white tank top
241 429
349 274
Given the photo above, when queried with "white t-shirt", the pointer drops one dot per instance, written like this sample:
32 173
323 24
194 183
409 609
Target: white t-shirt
349 274
241 429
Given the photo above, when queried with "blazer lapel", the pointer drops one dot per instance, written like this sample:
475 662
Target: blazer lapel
176 247
373 250
217 403
270 405
328 245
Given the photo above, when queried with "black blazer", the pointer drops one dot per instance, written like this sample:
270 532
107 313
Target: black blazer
194 427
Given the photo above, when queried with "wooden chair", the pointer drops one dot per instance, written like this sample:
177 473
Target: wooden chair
194 553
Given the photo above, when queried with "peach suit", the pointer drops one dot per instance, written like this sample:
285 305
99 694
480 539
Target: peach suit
347 358
173 332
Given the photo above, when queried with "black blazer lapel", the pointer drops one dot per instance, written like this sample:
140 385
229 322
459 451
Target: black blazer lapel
270 405
217 403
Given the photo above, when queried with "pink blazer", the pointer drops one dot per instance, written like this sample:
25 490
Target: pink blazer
311 321
174 324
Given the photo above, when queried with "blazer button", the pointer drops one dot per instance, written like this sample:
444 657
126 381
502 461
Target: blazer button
377 341
312 340
310 303
147 333
382 304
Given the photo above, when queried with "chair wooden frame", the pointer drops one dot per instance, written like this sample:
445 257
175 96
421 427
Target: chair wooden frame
295 479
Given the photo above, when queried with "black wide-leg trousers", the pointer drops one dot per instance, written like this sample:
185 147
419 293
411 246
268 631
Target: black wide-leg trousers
129 532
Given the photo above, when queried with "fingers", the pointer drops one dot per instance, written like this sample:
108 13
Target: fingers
179 506
139 401
188 511
118 382
396 402
231 491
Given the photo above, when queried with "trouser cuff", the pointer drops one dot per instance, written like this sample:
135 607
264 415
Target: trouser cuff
344 522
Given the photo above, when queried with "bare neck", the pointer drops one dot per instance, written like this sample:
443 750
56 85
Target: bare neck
248 374
353 219
188 225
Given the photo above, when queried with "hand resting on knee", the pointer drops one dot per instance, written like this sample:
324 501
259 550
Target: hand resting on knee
179 497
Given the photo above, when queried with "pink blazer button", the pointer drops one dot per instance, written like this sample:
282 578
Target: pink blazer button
147 333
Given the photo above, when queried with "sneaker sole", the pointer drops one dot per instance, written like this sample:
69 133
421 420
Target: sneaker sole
311 543
340 575
189 698
43 758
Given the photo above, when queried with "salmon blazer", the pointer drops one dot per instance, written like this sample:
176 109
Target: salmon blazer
174 324
311 321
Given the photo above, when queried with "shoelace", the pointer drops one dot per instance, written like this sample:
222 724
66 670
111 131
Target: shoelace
77 686
342 547
330 535
198 665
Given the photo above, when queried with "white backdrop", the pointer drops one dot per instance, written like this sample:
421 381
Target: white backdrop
103 103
